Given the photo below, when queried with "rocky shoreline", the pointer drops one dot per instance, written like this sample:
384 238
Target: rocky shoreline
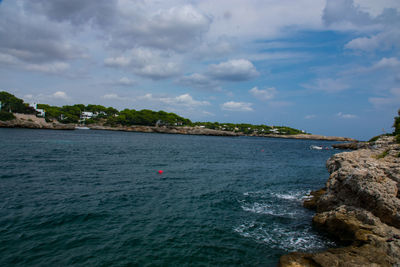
360 206
33 122
204 131
165 130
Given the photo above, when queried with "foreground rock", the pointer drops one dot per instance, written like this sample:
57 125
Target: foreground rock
359 206
33 122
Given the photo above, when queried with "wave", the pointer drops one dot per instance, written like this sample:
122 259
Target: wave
270 209
276 236
289 195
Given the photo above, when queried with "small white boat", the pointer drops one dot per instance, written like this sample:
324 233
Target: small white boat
81 128
316 147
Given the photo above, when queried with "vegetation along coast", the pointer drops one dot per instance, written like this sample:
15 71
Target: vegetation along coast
14 113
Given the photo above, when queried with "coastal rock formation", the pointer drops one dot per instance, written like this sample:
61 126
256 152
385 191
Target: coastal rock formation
167 130
310 137
33 122
205 131
352 145
360 206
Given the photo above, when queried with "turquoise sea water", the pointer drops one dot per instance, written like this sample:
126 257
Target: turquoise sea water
94 198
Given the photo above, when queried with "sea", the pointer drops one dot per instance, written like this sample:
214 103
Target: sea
97 198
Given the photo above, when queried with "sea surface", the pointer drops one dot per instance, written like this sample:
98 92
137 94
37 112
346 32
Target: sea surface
95 198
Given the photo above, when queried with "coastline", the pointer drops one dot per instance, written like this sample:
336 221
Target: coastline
185 130
33 122
360 206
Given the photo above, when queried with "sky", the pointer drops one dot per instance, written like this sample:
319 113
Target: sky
329 67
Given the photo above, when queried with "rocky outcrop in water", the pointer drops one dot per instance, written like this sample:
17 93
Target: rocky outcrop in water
309 137
352 145
360 206
33 122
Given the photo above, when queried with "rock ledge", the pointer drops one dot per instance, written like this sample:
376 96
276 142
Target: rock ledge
360 206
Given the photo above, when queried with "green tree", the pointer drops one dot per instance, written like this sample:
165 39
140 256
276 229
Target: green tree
10 103
396 124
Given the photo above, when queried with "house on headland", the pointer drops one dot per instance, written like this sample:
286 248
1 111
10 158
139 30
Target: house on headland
40 112
87 115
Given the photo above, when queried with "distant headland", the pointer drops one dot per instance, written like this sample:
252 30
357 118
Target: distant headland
14 113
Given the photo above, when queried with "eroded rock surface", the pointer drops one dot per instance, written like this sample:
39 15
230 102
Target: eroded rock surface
360 206
33 122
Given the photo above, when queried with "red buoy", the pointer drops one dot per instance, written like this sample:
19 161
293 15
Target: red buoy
160 172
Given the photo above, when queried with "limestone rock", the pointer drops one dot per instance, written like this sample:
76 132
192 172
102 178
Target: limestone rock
33 122
360 206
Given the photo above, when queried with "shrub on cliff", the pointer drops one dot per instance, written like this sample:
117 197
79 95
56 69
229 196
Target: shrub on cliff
396 126
6 116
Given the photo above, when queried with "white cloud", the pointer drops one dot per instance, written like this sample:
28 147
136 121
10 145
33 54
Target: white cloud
344 14
237 106
265 94
113 96
159 25
53 68
117 61
124 81
391 99
233 70
311 116
346 116
60 95
28 96
146 62
374 7
45 67
378 23
185 100
199 80
382 41
386 63
208 113
327 85
246 20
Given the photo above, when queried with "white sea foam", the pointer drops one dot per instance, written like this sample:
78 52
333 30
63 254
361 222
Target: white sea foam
289 195
276 236
269 209
286 196
251 193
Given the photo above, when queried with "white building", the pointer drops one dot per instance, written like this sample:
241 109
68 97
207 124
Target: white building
86 115
40 112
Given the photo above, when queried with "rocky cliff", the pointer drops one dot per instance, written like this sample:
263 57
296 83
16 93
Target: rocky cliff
359 206
33 122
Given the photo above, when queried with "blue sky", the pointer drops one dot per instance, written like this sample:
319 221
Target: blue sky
329 67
